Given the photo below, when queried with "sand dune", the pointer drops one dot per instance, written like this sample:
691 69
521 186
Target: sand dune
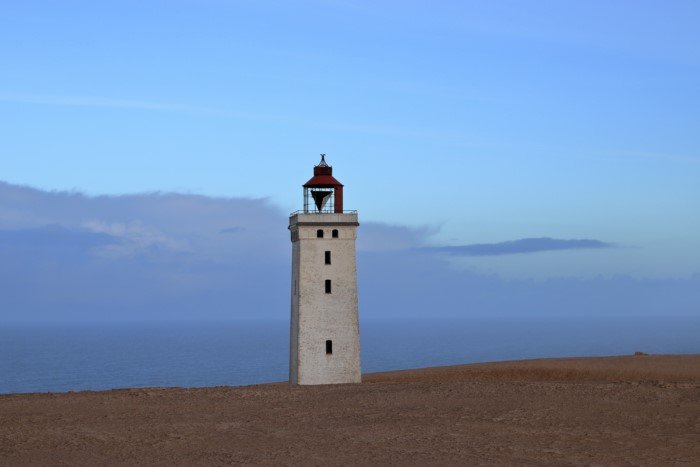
613 410
635 368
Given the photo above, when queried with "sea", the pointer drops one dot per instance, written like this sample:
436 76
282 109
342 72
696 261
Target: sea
98 356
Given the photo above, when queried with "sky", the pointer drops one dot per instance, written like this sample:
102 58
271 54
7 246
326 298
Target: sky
508 153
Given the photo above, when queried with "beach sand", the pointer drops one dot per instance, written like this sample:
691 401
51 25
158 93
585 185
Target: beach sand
614 410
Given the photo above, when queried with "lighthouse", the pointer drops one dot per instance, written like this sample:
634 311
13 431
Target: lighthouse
324 334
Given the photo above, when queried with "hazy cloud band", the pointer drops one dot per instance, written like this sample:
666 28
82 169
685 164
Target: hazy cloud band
523 245
67 256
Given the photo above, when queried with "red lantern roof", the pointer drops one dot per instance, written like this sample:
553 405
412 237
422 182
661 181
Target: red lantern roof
323 176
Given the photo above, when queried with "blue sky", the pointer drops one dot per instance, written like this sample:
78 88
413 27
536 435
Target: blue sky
470 122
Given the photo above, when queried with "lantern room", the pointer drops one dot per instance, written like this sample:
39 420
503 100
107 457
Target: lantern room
323 193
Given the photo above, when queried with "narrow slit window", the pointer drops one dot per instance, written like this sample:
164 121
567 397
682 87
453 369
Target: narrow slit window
335 233
329 347
319 233
328 286
328 257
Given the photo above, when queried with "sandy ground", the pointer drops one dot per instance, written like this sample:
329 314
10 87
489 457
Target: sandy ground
615 410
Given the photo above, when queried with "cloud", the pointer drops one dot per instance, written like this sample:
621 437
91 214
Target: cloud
68 256
671 157
231 230
54 236
134 237
100 102
524 245
65 256
376 236
104 102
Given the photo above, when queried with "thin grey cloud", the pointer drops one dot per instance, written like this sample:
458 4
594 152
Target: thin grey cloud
671 157
98 101
523 245
101 102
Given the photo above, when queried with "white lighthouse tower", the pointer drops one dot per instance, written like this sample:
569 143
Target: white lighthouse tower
325 336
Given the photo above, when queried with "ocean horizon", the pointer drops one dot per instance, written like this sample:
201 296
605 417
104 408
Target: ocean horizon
100 356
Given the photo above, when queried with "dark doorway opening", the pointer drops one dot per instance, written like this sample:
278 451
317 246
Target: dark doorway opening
329 347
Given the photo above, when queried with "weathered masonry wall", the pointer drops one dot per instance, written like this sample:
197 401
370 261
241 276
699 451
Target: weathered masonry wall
317 316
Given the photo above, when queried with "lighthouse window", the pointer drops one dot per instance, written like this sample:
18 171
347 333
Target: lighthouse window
328 286
319 233
328 257
335 233
329 347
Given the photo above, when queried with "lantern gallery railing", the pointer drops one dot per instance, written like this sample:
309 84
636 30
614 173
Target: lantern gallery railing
354 211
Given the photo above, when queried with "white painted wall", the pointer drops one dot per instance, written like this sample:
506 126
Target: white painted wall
317 316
